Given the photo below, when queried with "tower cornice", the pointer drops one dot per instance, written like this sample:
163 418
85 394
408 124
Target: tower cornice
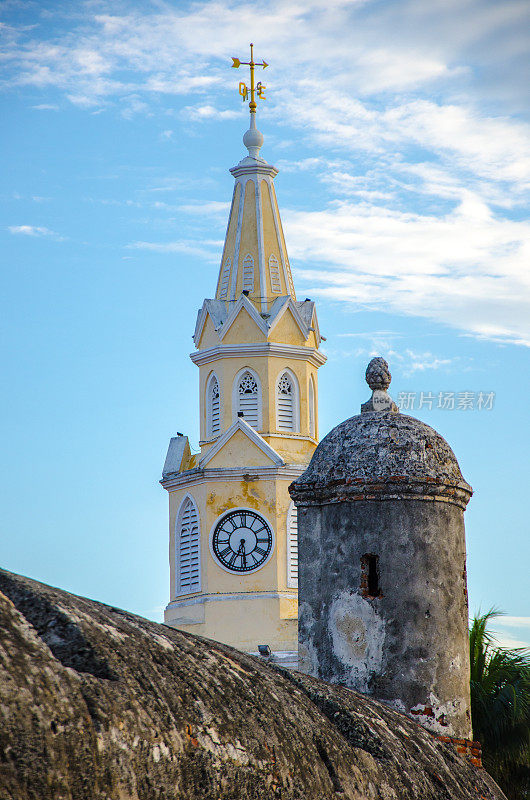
196 476
311 354
251 166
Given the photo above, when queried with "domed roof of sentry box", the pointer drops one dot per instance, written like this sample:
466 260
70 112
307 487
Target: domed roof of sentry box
381 454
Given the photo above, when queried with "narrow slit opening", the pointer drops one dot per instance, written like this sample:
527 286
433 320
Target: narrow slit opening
370 584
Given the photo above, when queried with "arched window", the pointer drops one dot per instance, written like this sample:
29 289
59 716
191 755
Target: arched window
248 273
292 546
311 406
187 549
287 402
247 398
274 270
213 408
223 289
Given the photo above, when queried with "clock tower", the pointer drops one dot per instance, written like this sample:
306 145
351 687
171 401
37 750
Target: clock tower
232 526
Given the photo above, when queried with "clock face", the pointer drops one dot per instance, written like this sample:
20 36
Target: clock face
242 541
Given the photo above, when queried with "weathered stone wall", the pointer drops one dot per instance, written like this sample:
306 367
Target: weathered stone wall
98 704
407 645
382 582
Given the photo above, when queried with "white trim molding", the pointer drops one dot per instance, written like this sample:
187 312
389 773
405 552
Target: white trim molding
199 476
219 598
235 263
209 354
242 302
289 286
248 430
261 252
288 303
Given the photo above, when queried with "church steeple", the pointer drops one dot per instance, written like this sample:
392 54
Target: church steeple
254 258
233 538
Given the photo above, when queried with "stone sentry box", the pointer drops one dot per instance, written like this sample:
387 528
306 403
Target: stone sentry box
382 563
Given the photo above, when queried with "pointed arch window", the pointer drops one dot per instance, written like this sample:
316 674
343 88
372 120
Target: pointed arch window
213 408
274 270
247 398
223 289
311 406
287 402
292 546
187 549
248 273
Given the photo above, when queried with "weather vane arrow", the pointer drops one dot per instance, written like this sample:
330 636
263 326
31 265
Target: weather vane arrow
259 88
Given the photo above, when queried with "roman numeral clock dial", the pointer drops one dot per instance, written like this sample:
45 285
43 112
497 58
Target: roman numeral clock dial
241 541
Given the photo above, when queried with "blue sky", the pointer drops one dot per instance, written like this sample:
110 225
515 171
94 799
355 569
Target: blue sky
401 131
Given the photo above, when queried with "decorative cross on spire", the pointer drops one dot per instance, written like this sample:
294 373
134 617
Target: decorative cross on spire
259 89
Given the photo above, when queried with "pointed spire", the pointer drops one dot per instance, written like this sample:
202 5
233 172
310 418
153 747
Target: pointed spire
254 260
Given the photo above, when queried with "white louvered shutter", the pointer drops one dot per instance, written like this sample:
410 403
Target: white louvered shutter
214 407
311 403
223 290
285 403
248 273
292 546
247 399
188 567
274 270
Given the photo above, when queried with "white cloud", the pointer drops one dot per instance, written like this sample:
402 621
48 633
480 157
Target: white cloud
503 639
202 112
207 250
33 230
213 207
415 111
381 343
513 622
465 268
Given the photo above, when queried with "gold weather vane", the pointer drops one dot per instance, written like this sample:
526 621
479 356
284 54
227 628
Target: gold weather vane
259 89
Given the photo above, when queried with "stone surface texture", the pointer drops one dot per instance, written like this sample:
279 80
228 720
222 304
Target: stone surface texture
97 703
383 455
378 374
383 494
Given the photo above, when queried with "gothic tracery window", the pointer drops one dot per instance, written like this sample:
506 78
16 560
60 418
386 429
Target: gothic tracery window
285 400
248 399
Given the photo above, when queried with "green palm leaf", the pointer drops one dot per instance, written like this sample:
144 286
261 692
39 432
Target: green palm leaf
500 707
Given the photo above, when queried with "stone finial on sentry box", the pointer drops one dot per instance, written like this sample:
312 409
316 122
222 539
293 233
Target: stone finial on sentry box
378 378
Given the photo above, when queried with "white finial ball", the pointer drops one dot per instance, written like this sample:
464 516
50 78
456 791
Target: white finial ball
253 140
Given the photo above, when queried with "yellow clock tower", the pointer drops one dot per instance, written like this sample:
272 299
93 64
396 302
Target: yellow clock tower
232 526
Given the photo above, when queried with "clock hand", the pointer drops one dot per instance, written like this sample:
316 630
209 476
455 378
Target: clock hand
241 552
